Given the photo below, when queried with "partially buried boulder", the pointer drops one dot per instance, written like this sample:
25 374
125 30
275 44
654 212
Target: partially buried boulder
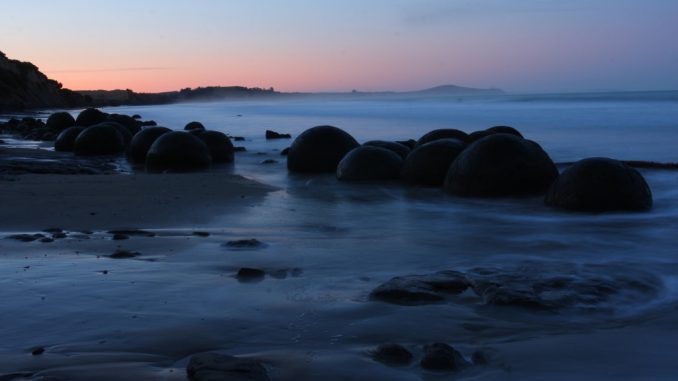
368 163
600 185
443 133
427 164
194 126
399 148
66 139
216 366
442 357
220 146
122 130
90 117
60 121
142 141
477 135
131 124
501 165
178 151
319 149
100 139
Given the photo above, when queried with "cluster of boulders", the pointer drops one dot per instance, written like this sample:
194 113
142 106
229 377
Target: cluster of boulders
496 162
159 149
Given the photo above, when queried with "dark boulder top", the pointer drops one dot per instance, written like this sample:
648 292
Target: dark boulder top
477 135
600 185
428 163
220 146
190 126
399 148
368 163
65 141
178 151
276 135
60 121
142 141
90 117
443 133
100 139
501 165
319 149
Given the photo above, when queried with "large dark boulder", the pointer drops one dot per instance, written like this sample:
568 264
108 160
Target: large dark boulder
90 117
131 124
60 121
477 135
66 139
501 165
220 146
427 164
443 133
399 148
142 141
367 163
319 149
194 126
122 130
178 151
600 185
100 139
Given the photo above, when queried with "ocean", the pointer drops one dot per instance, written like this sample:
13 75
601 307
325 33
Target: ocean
615 314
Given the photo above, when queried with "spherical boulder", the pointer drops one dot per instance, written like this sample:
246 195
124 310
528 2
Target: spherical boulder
90 117
131 124
443 133
124 132
401 149
600 185
501 165
319 149
60 121
220 146
66 138
142 141
477 135
368 163
100 139
178 151
194 126
427 164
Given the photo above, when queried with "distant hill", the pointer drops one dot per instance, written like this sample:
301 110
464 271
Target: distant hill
457 90
129 97
23 86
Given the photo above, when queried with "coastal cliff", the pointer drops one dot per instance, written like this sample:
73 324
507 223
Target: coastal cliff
23 86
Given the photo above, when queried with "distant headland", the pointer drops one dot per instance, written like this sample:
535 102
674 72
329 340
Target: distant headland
24 87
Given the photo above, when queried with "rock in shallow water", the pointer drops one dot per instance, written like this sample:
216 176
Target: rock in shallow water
219 367
178 151
367 163
442 357
319 149
421 289
600 185
428 163
392 354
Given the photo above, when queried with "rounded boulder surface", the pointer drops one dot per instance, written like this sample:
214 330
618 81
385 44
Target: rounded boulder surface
443 133
600 185
142 141
124 132
90 117
220 146
100 139
131 124
319 149
477 135
501 165
194 126
392 354
178 151
401 149
428 164
60 121
66 139
367 163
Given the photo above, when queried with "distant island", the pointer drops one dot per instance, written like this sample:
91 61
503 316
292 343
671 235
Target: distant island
24 87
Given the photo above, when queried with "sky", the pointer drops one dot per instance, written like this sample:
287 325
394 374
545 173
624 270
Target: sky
368 45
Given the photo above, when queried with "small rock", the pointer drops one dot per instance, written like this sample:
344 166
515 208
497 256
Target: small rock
268 161
275 135
59 235
247 274
37 351
46 240
119 237
392 355
201 234
215 367
440 356
121 254
133 232
26 237
238 138
244 244
239 149
421 289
